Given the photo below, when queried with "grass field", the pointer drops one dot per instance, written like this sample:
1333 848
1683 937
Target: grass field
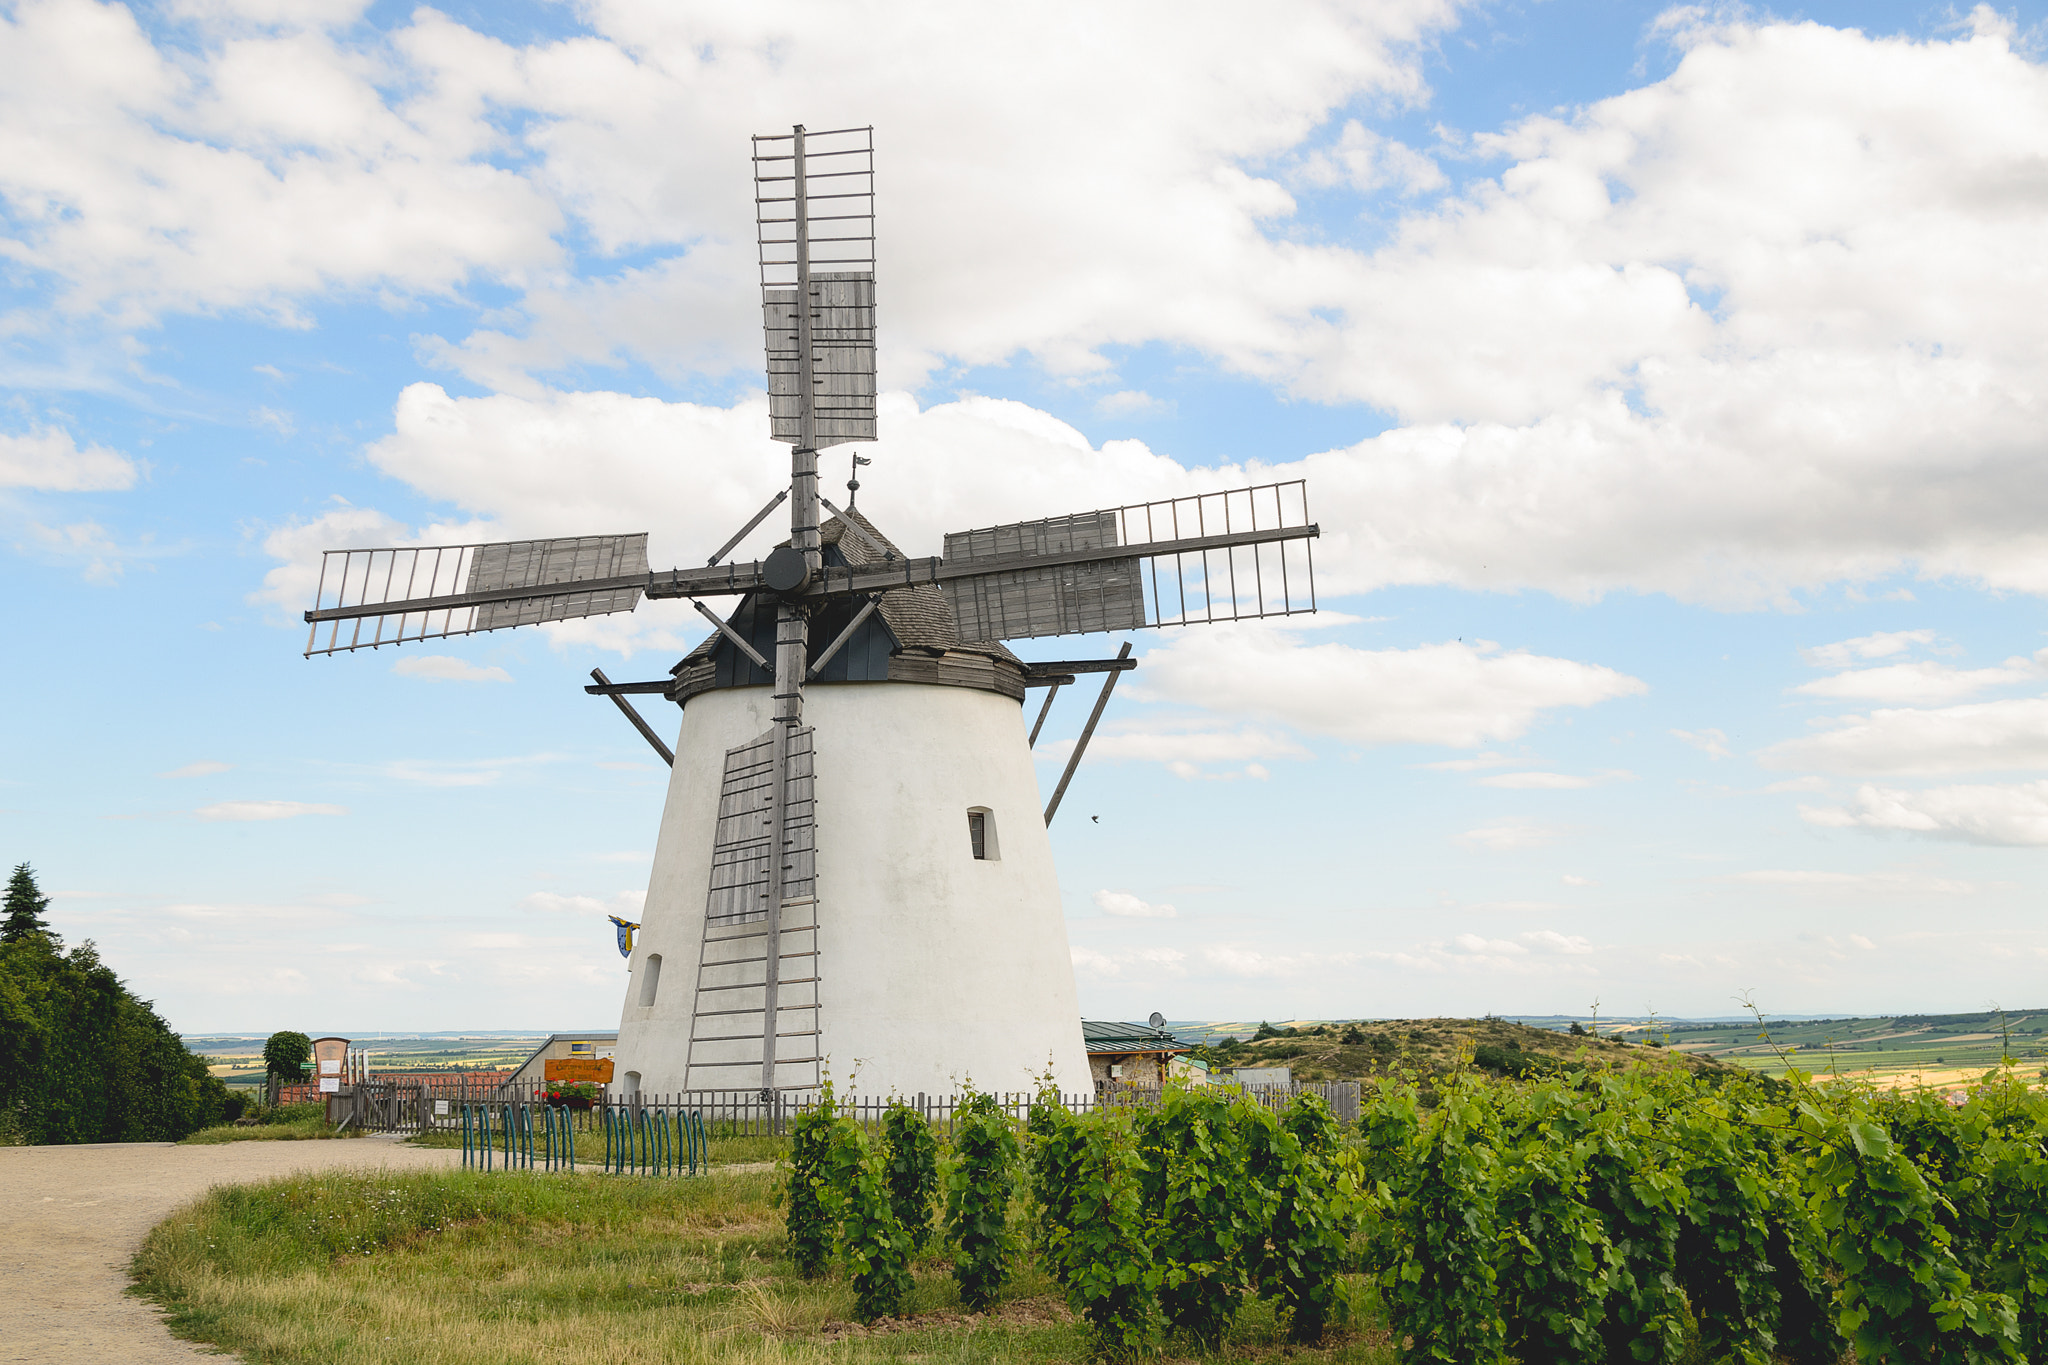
286 1123
461 1268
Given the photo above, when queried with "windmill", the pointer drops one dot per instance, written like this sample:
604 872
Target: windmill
945 935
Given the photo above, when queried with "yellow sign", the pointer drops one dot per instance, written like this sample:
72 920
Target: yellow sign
577 1069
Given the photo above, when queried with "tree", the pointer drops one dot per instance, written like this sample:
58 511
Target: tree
83 1060
286 1055
25 905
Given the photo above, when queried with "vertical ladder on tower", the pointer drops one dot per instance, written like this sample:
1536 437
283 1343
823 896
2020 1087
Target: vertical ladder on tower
727 1025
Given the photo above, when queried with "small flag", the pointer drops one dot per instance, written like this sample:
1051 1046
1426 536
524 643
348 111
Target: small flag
626 928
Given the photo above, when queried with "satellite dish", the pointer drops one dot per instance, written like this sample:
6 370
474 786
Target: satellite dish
1157 1020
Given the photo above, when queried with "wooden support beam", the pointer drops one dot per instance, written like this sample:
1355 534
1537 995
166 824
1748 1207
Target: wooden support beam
656 688
851 626
1087 733
639 722
1057 666
1045 710
739 641
741 534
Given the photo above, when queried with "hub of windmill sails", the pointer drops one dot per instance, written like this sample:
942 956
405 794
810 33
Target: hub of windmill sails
784 571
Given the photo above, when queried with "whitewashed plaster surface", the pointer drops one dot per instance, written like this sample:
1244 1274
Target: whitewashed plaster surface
937 969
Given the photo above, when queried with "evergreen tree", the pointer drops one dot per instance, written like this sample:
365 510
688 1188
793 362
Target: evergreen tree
25 905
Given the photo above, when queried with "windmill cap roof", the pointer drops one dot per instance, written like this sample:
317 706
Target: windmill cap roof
918 616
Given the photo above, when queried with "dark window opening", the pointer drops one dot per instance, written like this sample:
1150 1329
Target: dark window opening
981 834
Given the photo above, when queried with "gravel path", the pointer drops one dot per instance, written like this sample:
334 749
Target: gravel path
71 1217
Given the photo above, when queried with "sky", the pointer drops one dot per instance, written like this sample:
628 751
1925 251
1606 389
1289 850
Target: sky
1667 381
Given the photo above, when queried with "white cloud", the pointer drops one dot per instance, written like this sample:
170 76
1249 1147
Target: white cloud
205 767
1550 941
105 559
50 460
625 904
265 810
1783 342
1539 781
1882 645
1233 959
1511 834
2012 815
292 585
1091 962
251 168
1458 693
249 164
1130 403
1536 952
462 772
1477 763
1921 681
1185 744
447 668
1712 743
1363 160
1122 903
279 422
1978 737
1570 880
1858 883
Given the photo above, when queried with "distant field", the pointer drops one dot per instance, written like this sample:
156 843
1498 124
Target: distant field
238 1059
1940 1049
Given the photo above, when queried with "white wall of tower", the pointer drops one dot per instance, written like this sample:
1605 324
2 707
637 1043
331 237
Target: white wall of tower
937 968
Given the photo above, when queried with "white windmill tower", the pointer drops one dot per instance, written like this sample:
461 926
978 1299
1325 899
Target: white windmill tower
857 714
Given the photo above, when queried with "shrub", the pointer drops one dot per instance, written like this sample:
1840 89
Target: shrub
979 1182
287 1055
1210 1216
1318 1202
806 1197
873 1245
1107 1263
911 1159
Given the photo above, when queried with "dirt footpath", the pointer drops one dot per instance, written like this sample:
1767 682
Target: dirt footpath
71 1217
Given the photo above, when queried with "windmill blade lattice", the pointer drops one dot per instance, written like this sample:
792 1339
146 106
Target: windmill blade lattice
814 202
371 598
1231 556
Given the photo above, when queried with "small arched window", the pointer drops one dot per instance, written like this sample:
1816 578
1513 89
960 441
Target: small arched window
981 833
650 978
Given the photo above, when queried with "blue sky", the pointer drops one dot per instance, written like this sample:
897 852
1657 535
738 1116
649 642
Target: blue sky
1666 381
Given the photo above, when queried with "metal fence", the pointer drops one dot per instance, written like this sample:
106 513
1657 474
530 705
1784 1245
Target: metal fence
417 1104
639 1138
743 1113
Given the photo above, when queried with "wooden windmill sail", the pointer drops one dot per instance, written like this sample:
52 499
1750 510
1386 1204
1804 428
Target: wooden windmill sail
836 601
